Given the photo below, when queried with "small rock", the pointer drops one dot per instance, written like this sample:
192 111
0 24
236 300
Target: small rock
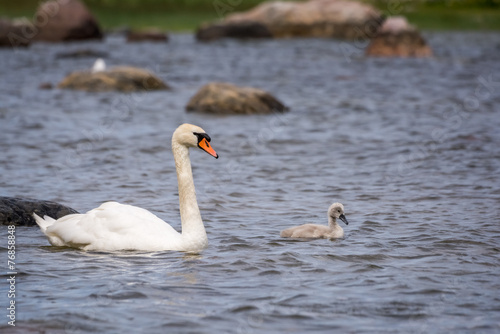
240 30
123 30
397 38
45 85
225 98
151 35
121 78
82 53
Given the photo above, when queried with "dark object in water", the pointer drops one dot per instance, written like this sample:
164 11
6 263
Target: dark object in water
19 211
82 53
45 85
240 30
151 35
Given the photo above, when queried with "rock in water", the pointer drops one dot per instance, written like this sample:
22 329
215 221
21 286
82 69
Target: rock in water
68 20
241 30
122 78
397 38
12 33
314 18
19 211
82 53
151 35
225 98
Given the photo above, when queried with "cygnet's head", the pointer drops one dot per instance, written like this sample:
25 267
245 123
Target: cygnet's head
191 135
336 211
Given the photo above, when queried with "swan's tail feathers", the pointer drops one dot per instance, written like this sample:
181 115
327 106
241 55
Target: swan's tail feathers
44 222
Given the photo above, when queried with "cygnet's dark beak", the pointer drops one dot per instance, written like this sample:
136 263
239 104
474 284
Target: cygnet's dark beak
344 219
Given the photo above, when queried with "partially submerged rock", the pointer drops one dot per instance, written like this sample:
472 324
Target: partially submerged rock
45 85
241 30
225 98
68 20
397 38
314 18
151 35
19 211
82 53
122 78
12 33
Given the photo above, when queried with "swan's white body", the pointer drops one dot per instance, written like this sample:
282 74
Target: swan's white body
114 226
332 231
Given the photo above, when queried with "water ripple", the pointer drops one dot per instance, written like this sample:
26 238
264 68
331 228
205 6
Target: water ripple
392 139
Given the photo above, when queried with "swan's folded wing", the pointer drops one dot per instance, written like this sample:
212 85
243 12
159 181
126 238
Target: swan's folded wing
66 232
306 231
121 218
111 226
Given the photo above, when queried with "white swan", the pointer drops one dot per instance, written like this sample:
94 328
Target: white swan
114 226
332 231
99 66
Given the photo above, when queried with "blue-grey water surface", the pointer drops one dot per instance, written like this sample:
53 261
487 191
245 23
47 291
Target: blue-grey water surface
411 147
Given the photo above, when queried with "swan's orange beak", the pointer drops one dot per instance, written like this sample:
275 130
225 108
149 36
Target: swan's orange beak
205 146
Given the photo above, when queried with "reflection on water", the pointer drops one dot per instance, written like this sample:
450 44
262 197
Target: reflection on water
409 146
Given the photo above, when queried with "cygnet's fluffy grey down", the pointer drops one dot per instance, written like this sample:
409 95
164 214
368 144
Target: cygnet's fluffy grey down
333 230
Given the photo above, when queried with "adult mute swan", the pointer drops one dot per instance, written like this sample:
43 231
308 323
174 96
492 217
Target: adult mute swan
332 231
114 226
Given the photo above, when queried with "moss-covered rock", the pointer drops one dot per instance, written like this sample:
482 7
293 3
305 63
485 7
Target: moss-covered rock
225 98
122 78
397 38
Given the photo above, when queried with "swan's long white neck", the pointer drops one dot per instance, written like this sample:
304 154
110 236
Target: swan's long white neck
192 225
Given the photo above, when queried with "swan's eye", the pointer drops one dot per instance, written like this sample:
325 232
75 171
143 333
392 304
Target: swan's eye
202 136
338 210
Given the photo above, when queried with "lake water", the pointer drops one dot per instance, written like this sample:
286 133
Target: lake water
411 147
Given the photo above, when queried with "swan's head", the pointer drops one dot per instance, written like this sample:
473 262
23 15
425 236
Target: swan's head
193 136
336 211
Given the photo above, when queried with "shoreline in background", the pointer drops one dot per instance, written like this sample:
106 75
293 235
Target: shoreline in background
186 15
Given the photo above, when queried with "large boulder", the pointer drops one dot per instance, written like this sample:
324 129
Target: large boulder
397 38
19 211
314 18
121 78
12 33
65 20
225 98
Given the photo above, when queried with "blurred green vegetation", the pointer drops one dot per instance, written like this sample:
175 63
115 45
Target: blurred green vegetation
445 14
179 15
